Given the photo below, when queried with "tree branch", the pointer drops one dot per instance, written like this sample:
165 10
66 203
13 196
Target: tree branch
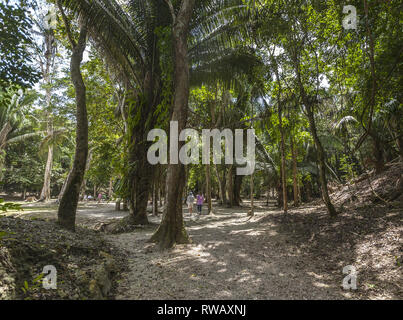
66 23
171 9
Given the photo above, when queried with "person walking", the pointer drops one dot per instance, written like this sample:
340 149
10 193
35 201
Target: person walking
99 197
200 201
190 201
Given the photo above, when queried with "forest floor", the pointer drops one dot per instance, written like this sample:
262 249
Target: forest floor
300 255
271 256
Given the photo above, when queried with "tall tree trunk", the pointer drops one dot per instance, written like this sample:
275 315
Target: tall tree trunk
63 189
172 229
154 198
3 140
110 190
309 106
49 48
141 171
208 189
279 194
117 205
399 143
230 186
221 185
252 195
378 153
87 167
237 190
68 204
294 172
141 184
321 161
283 167
45 193
283 164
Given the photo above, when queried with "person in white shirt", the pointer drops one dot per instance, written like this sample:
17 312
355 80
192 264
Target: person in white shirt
190 201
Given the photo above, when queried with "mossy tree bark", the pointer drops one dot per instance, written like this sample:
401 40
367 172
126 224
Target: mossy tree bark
172 229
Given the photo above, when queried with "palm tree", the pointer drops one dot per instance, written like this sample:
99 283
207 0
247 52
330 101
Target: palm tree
13 109
129 36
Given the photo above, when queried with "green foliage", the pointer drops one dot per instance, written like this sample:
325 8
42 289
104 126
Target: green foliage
29 289
16 62
5 206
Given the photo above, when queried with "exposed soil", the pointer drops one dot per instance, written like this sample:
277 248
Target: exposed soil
87 266
269 257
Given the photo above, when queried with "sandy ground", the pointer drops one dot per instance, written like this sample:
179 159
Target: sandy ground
267 257
230 258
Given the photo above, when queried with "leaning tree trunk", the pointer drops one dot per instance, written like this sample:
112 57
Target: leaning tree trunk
63 189
309 106
68 203
172 229
321 162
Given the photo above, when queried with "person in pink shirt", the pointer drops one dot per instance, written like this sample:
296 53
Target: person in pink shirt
199 202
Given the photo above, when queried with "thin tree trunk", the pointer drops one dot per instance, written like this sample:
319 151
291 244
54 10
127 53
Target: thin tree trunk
321 162
294 172
282 144
309 106
87 167
69 201
117 205
283 165
45 193
208 189
230 186
172 229
110 190
63 189
252 197
237 190
49 53
155 201
221 185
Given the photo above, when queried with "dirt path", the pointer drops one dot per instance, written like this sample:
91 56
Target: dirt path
230 258
268 257
89 214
